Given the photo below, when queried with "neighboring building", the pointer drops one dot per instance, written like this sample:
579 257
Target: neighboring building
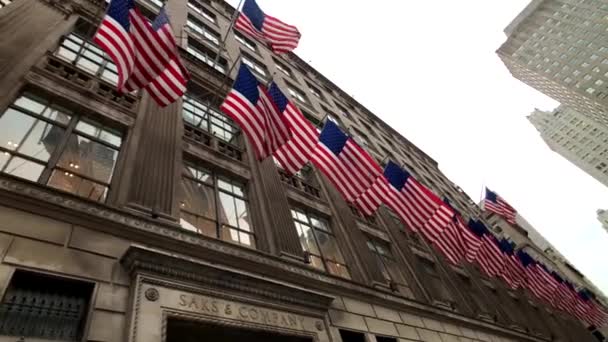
602 216
560 48
577 138
122 221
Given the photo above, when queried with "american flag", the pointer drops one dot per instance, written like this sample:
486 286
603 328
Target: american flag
418 207
155 48
298 150
170 85
451 243
250 105
489 257
514 273
280 36
534 280
496 204
348 166
471 241
114 37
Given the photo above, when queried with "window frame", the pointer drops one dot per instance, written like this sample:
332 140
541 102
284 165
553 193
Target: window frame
80 54
206 56
246 42
198 27
259 69
69 130
325 260
217 190
381 257
202 11
210 111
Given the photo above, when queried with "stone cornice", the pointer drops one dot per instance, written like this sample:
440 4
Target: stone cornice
172 237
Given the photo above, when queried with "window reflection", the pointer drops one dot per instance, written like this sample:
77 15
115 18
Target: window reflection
88 57
317 239
215 207
385 260
33 130
200 115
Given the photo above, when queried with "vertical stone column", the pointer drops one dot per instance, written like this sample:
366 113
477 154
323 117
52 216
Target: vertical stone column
154 159
30 28
274 206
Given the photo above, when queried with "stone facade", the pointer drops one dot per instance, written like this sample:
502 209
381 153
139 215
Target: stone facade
112 221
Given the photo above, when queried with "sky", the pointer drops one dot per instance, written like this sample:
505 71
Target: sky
429 69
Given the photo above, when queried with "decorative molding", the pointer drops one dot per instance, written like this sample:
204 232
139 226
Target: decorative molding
152 294
145 260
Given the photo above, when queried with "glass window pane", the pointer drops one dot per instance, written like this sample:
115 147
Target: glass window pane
329 247
72 183
41 140
88 128
197 198
222 184
319 224
66 54
198 224
338 269
88 65
316 262
200 175
31 104
57 114
20 167
246 239
227 210
88 158
242 215
307 239
230 235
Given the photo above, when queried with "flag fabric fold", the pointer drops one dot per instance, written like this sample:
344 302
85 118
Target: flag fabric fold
145 54
254 22
348 166
250 106
300 148
114 37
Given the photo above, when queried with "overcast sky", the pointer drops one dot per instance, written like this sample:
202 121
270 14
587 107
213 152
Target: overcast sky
429 69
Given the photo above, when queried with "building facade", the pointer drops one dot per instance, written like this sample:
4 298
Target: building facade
123 221
560 49
576 137
602 216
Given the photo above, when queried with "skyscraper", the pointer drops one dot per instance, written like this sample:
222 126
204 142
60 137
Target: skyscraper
124 221
560 48
602 216
576 137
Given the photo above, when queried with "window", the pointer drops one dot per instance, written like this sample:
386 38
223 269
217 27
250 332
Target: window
38 131
4 3
311 118
316 92
208 34
200 114
207 56
248 43
255 66
88 57
215 206
351 336
385 339
385 260
297 93
435 284
33 298
317 239
205 13
282 68
156 4
343 110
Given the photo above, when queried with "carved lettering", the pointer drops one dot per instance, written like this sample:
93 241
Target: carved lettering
240 312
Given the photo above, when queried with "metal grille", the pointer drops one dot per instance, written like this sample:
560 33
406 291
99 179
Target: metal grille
49 312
